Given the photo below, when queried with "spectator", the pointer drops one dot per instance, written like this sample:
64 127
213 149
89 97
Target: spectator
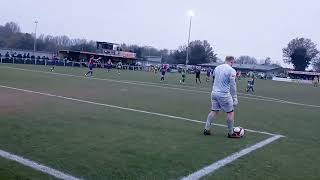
24 56
14 54
7 54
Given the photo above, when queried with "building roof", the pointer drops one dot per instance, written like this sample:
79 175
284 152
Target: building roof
154 59
253 67
100 42
121 54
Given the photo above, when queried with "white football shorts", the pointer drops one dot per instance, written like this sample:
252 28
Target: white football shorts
222 101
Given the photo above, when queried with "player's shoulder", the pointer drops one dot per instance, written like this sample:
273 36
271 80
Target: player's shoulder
227 67
233 71
221 66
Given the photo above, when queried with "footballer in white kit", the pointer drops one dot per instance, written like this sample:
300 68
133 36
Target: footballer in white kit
223 96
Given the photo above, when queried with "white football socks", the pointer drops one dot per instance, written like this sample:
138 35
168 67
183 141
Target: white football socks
210 119
230 123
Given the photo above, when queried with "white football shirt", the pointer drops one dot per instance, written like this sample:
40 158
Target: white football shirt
225 80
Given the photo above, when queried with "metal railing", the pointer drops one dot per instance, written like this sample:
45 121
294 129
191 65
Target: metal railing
60 62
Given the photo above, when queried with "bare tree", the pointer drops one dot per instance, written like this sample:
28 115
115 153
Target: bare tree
316 64
267 61
246 60
13 27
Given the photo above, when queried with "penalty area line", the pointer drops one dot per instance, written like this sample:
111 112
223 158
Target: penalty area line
123 108
210 169
37 166
149 84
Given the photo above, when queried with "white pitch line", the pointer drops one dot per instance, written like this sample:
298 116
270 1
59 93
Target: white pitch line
246 96
122 108
205 89
37 166
150 84
227 160
105 79
201 173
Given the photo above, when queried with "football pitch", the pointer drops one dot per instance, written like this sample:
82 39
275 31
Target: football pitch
130 126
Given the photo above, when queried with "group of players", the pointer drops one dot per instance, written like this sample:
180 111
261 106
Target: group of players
224 91
92 61
209 72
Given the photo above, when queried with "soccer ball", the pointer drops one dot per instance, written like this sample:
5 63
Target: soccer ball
239 131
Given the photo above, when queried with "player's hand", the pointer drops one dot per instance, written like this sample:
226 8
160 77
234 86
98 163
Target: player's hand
235 101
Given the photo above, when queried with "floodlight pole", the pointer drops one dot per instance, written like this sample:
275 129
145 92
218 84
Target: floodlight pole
35 41
188 45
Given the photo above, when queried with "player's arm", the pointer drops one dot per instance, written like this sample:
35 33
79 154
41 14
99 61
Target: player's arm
97 60
233 88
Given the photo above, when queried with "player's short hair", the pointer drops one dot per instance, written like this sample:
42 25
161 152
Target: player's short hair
229 58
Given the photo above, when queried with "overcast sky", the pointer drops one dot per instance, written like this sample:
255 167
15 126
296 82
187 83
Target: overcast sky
257 28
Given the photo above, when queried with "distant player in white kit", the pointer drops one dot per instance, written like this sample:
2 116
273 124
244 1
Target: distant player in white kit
223 96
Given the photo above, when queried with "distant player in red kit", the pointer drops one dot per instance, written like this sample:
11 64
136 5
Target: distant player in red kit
109 65
91 65
163 71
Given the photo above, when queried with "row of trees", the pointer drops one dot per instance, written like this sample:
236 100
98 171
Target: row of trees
200 52
12 37
300 52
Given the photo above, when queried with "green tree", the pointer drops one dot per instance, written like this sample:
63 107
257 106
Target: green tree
201 52
179 56
25 41
300 52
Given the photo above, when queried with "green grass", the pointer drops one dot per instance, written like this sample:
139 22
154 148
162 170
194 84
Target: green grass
95 142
